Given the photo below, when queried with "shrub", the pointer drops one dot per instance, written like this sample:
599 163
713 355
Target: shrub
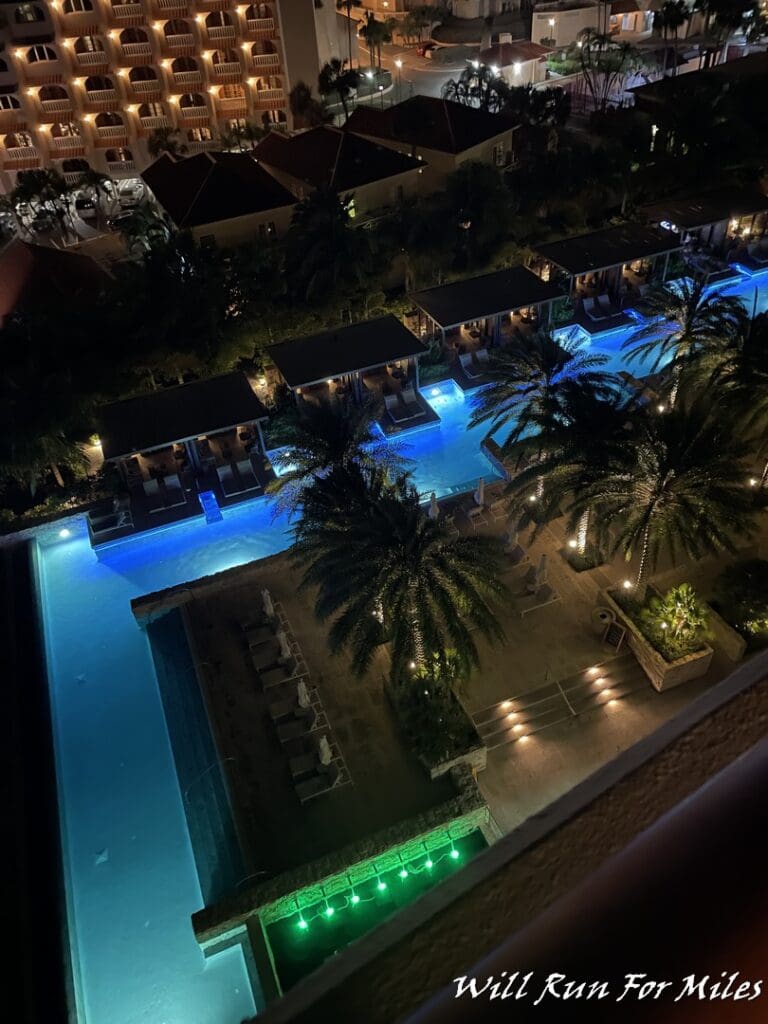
741 593
676 623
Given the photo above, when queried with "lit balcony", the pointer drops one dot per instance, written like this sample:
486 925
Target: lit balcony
41 72
267 63
98 100
146 89
186 81
12 121
268 99
260 28
201 146
154 121
227 72
53 111
91 59
213 5
171 8
233 106
136 53
179 45
128 13
79 23
38 30
19 158
64 146
218 34
110 135
121 168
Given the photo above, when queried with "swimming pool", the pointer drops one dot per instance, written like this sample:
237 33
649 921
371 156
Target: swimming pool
131 879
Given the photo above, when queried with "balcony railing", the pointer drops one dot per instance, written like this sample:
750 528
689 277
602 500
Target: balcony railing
261 28
184 43
192 116
232 106
111 131
169 8
121 168
95 97
145 87
56 106
12 121
46 72
67 145
136 53
202 146
266 99
265 62
156 121
213 5
72 177
226 70
221 34
20 157
79 23
128 14
92 59
185 78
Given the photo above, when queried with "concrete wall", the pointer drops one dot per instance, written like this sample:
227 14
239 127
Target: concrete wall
368 198
239 230
567 25
528 72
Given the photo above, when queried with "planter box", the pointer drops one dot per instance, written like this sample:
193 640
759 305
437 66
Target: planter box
663 674
728 639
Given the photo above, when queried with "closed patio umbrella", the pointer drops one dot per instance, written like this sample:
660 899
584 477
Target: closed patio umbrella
302 694
480 492
541 571
324 751
266 603
510 537
434 508
285 647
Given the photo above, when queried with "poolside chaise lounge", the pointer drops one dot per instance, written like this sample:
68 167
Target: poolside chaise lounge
593 310
408 395
173 495
321 782
266 655
152 493
247 475
473 363
498 508
398 411
301 724
476 516
276 674
517 556
542 596
260 634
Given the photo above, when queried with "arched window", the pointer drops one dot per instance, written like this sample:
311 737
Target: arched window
98 83
133 35
18 140
9 103
28 14
119 156
201 134
108 119
142 73
217 19
53 92
77 6
191 99
224 57
184 64
38 54
176 27
65 130
89 44
151 110
261 47
256 11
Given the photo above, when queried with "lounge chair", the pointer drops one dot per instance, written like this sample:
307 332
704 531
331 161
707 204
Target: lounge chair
476 516
299 726
174 495
606 306
517 556
322 782
265 656
153 495
592 310
273 676
259 635
408 395
499 508
247 475
470 370
449 522
481 355
229 484
398 413
544 595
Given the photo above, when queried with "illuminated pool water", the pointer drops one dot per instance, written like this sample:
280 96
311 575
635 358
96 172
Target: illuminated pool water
131 880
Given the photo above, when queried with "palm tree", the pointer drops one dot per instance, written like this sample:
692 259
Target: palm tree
371 33
146 228
672 15
307 111
324 437
366 545
166 140
98 186
529 382
699 323
346 6
336 78
589 434
680 486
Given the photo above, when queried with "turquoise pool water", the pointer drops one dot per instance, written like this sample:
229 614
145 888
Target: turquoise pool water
131 880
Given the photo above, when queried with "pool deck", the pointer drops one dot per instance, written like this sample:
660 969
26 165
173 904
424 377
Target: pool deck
387 783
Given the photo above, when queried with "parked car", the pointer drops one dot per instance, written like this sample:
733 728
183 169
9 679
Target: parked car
130 195
85 207
425 49
119 221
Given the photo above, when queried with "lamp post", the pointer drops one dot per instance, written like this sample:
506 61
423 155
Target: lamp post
552 30
399 66
381 95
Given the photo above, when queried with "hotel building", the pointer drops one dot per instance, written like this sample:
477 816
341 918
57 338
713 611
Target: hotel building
85 83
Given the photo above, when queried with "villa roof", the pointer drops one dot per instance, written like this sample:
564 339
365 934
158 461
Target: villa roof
489 295
609 247
327 157
666 90
211 187
707 208
517 52
31 273
431 123
179 413
362 346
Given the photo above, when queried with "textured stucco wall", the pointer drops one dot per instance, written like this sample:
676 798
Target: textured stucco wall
672 764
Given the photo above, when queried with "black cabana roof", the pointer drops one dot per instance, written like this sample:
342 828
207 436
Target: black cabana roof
362 346
610 247
179 413
488 295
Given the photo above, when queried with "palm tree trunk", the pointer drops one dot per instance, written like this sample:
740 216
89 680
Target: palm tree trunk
641 569
675 387
419 654
349 31
582 531
57 474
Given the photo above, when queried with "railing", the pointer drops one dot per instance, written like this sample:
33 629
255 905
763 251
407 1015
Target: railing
261 26
146 86
269 97
155 121
132 50
265 62
44 71
194 115
179 43
67 144
73 177
227 73
121 167
187 78
92 58
202 146
111 131
221 33
101 95
129 14
20 156
12 121
79 23
56 106
233 105
167 7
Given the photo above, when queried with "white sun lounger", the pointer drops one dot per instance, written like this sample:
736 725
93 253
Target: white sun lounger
322 782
